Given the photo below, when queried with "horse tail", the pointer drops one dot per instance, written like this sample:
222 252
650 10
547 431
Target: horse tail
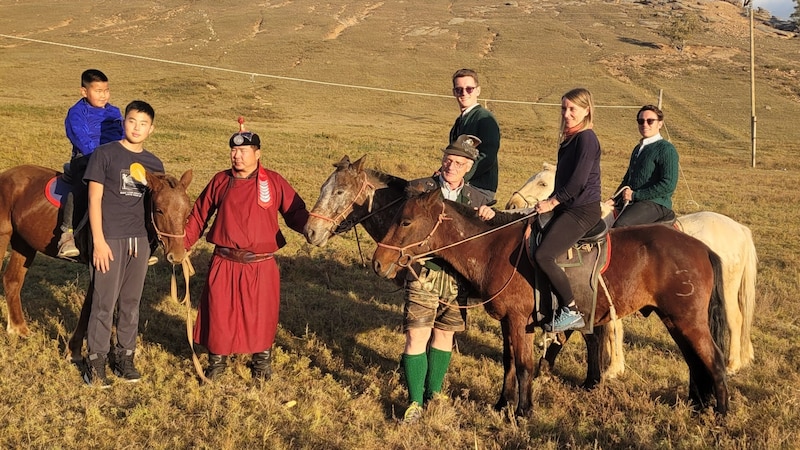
717 318
747 296
612 355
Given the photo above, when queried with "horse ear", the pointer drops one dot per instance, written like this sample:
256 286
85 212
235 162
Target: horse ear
359 165
344 162
153 181
186 178
548 166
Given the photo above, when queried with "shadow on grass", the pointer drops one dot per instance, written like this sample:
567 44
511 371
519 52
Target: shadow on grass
638 42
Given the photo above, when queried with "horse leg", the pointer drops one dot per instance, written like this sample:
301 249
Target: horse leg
731 279
522 352
706 364
612 354
21 258
592 361
509 393
75 345
548 361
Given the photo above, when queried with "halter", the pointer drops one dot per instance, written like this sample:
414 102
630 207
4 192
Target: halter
160 233
336 220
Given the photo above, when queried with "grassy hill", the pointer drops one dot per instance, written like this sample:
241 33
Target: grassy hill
318 80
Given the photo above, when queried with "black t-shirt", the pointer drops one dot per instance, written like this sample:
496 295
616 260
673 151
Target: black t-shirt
123 197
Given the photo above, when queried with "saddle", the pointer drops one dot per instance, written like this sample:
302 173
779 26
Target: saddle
583 264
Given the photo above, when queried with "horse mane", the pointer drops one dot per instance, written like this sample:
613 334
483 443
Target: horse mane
387 179
469 212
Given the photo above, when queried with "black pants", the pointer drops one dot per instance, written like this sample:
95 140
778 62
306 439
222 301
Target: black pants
643 212
561 233
74 176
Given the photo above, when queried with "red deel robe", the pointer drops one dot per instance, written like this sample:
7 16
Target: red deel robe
238 311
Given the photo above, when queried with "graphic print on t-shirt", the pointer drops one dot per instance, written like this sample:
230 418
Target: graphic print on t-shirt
128 185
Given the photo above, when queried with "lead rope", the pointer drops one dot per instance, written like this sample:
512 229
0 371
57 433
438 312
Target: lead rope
188 271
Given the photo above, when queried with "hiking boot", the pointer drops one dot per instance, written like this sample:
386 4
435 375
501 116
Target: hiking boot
95 373
565 319
216 365
66 246
122 365
261 365
413 413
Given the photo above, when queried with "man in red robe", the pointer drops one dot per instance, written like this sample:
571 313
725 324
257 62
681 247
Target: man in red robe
238 311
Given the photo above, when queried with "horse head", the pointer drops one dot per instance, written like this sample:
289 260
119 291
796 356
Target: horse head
169 208
411 234
345 188
538 187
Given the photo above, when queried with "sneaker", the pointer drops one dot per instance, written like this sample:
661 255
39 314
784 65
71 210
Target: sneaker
413 413
152 260
123 367
66 246
565 319
95 373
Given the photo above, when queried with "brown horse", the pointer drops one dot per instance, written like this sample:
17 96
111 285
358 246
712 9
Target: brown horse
652 269
30 223
355 195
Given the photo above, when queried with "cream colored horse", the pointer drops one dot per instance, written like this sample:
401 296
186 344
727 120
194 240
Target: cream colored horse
732 241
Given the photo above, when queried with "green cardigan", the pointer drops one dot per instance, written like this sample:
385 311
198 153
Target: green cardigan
481 123
653 175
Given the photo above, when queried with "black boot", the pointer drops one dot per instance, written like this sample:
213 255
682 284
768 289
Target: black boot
216 365
261 365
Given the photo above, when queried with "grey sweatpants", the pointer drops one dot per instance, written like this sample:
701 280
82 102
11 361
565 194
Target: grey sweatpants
122 285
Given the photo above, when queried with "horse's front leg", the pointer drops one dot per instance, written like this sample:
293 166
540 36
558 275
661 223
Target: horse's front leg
509 393
75 345
592 361
522 348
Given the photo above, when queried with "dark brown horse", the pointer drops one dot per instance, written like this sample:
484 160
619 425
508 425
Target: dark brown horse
354 195
652 269
30 223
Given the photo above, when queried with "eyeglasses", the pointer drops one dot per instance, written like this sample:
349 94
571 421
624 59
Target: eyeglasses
454 163
649 121
460 90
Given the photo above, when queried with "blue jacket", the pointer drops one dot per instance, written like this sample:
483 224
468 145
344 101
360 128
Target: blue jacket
89 127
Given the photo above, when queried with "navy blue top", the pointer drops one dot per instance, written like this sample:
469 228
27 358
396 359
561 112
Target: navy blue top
578 171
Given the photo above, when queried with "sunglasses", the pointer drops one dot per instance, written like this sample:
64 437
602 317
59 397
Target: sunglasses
460 90
649 121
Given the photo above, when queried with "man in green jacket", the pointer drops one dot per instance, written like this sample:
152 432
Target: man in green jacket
647 187
476 121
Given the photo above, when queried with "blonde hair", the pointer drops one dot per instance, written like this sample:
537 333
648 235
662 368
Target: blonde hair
583 98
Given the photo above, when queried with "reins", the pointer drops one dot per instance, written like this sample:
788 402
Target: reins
405 260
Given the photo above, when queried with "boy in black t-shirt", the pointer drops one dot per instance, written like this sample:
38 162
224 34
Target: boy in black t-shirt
120 247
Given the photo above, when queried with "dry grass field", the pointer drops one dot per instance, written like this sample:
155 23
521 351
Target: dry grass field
318 80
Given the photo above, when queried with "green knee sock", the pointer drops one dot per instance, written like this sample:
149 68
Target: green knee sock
416 367
438 362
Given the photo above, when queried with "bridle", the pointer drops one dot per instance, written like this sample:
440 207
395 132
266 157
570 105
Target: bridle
339 218
406 260
160 234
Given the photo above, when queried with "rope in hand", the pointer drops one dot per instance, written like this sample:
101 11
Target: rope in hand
188 271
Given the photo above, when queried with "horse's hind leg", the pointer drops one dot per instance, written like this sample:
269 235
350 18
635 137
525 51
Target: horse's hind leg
592 361
508 395
13 278
706 366
75 345
548 361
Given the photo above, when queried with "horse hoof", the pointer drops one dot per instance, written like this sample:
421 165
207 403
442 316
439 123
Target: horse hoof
20 330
